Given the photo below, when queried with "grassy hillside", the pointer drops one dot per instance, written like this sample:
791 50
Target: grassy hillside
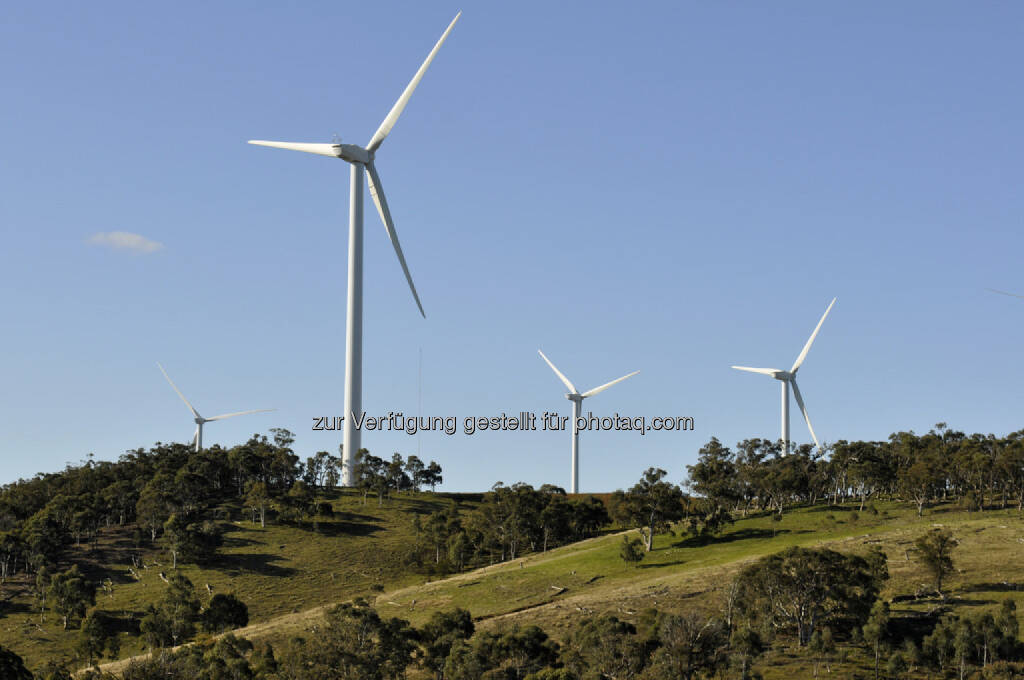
275 570
558 589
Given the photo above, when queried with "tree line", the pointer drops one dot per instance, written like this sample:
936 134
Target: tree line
976 470
508 522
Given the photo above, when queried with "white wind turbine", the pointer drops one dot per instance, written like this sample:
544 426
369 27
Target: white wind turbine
361 159
789 377
200 421
577 404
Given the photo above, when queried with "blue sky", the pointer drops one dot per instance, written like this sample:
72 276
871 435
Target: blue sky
671 188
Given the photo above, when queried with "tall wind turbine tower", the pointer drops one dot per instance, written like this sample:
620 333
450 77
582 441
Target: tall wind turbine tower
577 404
789 378
200 421
361 161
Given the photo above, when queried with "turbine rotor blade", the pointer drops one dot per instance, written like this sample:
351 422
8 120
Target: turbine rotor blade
810 340
602 388
396 110
195 437
332 150
764 371
190 407
377 192
1003 292
565 381
803 409
240 413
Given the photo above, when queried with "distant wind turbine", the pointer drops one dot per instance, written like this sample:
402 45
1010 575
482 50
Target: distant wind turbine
789 377
361 159
577 404
200 421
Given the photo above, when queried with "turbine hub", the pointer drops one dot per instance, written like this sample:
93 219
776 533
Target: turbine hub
353 153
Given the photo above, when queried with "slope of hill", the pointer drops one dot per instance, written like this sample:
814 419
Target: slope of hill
276 570
560 588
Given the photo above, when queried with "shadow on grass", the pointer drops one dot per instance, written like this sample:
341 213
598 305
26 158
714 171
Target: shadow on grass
1002 587
741 535
835 508
335 528
256 563
673 563
10 607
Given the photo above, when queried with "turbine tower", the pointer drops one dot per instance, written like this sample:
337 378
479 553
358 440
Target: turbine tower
200 421
577 404
789 378
361 160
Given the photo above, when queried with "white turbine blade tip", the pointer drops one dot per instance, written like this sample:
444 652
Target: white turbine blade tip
565 381
190 407
602 388
803 410
810 340
381 201
389 121
331 150
240 413
762 371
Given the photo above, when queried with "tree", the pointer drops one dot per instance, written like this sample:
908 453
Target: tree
395 475
180 606
651 504
439 633
632 550
876 630
191 542
714 475
431 476
154 505
414 469
806 588
459 548
258 498
97 636
370 473
935 550
71 594
606 647
12 667
746 644
11 545
225 612
355 644
688 645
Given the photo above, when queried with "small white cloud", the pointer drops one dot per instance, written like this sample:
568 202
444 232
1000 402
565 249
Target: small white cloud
125 240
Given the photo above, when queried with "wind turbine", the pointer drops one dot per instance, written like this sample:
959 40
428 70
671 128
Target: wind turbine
789 378
577 403
200 421
361 160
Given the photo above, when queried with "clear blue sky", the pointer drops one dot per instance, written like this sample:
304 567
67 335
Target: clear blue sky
670 188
